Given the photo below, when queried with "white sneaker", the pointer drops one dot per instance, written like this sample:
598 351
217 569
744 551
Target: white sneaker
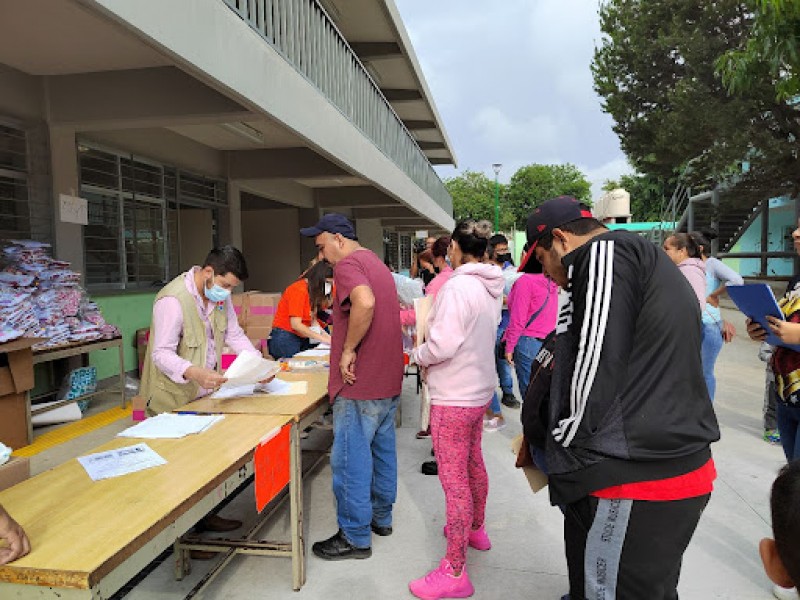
783 593
495 424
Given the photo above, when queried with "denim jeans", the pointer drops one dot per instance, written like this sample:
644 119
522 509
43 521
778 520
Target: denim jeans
503 368
788 423
364 465
709 351
524 354
285 344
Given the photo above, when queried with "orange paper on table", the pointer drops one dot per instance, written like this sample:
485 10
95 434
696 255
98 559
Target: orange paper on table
272 465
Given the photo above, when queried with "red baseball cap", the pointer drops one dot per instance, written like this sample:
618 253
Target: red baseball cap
548 216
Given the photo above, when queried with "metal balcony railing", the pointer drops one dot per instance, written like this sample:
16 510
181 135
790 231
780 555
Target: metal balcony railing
303 33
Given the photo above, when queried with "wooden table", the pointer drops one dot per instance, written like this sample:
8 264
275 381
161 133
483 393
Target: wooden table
90 537
305 409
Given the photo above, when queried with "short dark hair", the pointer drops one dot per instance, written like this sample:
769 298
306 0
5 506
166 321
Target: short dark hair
784 505
472 236
687 241
440 246
496 240
227 260
582 226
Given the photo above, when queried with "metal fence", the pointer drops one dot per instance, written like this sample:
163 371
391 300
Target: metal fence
303 33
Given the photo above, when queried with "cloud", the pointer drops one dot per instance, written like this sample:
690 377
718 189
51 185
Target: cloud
513 83
611 170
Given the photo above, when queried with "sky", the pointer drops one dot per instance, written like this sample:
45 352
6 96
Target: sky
512 82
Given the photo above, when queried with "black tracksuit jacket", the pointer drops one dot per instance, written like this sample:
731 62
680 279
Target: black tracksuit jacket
628 401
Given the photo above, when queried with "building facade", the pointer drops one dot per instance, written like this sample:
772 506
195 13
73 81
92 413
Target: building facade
193 123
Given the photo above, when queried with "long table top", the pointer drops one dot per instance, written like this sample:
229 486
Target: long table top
81 529
296 406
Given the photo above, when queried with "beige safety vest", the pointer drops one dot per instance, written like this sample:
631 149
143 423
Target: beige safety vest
161 393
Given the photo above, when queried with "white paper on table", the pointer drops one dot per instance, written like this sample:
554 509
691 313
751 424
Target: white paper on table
249 368
324 346
313 352
121 461
279 387
171 426
227 391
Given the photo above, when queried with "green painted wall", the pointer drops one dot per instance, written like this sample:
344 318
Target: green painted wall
129 312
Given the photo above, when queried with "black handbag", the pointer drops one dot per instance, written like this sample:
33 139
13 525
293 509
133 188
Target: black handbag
501 347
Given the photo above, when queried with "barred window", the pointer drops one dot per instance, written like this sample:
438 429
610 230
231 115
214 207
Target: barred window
133 236
25 208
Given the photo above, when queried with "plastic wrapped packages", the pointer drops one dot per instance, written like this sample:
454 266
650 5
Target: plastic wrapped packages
41 297
408 289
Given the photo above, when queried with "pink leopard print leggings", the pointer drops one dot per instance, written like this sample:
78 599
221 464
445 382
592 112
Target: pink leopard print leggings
456 433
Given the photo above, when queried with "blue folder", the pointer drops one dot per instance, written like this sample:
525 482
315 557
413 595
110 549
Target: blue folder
757 301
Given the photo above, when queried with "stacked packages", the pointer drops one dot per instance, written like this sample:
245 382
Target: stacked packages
41 297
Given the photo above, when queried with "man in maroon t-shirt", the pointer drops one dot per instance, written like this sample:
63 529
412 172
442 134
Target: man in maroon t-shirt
365 380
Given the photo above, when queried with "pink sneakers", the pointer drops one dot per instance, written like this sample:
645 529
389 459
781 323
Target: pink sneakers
477 538
442 583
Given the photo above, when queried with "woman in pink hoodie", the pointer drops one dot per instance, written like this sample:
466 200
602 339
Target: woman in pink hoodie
684 251
459 359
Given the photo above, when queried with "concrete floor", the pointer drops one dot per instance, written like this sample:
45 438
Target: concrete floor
526 560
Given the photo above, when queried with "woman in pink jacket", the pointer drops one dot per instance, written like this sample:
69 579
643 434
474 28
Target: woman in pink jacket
684 251
459 358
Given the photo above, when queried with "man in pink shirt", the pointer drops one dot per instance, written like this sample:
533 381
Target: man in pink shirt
193 318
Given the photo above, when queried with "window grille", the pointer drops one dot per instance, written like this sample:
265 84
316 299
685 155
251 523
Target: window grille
133 237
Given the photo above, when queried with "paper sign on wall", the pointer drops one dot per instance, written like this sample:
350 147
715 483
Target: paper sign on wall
73 209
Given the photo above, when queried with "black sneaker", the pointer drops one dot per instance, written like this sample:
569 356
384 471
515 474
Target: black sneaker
430 468
509 400
338 548
381 531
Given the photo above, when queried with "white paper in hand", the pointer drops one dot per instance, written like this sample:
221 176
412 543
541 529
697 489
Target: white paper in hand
249 368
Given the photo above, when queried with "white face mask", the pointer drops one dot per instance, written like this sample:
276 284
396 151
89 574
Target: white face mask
328 288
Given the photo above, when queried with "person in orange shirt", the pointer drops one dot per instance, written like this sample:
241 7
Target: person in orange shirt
292 329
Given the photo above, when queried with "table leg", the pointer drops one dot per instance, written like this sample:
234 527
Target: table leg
122 374
296 510
183 564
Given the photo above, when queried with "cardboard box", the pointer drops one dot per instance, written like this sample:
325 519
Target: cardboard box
16 470
258 336
16 378
260 309
239 302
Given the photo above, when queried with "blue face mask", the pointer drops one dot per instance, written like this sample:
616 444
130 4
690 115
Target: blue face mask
216 293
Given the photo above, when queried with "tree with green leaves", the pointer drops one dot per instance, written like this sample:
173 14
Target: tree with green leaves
473 197
533 184
648 194
771 52
655 71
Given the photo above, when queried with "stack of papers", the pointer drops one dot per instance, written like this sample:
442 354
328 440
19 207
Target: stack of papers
170 426
276 387
121 461
314 352
249 368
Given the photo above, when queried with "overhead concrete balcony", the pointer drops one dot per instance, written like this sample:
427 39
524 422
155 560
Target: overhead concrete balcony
303 33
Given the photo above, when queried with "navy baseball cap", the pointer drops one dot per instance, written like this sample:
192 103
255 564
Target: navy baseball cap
332 223
548 216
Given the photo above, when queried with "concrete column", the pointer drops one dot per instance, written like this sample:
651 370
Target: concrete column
230 226
68 237
370 235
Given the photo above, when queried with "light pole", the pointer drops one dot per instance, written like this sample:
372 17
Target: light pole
496 167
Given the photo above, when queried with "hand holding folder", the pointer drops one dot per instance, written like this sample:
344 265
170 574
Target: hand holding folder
758 303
